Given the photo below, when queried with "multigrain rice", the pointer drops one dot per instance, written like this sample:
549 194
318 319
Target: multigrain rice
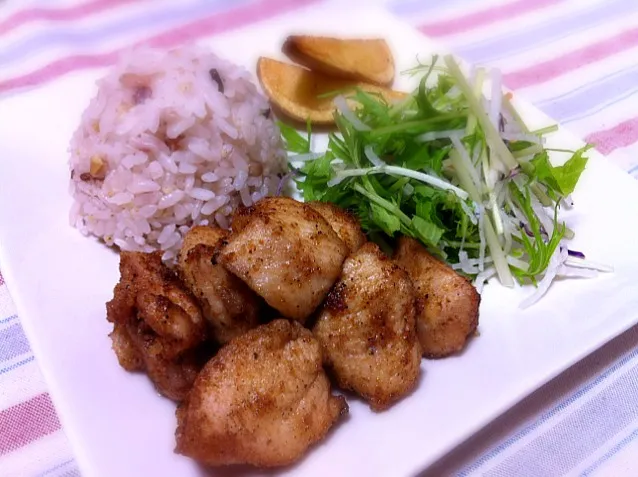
172 139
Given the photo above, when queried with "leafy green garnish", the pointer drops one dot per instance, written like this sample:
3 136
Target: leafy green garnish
435 166
561 179
538 249
293 141
426 231
387 221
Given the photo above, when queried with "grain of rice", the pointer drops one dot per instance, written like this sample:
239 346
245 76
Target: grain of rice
209 177
121 198
240 180
143 185
222 220
197 207
181 212
201 194
170 200
186 168
165 234
154 170
245 197
212 205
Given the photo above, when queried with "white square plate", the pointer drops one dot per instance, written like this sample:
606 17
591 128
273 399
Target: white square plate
118 425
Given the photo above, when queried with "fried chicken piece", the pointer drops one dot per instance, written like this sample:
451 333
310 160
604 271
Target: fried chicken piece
343 222
200 234
128 354
263 400
286 252
158 326
367 329
447 303
173 377
242 216
229 305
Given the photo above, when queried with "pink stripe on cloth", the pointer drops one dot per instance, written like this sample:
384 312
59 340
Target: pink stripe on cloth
58 68
225 21
571 61
622 135
485 17
53 14
27 422
214 24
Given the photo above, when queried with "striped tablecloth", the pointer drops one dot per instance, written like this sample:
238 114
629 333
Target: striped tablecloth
577 60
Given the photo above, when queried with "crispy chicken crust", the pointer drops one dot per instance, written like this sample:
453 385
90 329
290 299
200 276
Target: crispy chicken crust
199 234
447 303
263 400
228 304
366 328
158 325
343 222
286 252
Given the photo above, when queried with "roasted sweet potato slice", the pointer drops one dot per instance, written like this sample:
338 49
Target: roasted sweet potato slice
368 60
297 91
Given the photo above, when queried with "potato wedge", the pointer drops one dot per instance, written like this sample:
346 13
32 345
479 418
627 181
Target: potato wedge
295 90
356 59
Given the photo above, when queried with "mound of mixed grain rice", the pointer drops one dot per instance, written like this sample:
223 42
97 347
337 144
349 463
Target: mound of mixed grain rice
172 139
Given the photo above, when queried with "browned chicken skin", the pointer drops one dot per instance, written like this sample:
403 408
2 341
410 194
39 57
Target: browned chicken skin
263 400
229 305
158 326
200 234
447 303
343 222
367 329
286 252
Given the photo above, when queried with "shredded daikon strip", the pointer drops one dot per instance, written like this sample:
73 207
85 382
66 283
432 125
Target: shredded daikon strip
482 243
522 137
496 98
482 277
574 272
469 212
582 263
432 136
372 156
557 260
342 106
467 162
309 156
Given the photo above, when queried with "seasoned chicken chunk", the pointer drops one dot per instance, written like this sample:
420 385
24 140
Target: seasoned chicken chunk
343 222
158 326
242 216
367 329
200 234
229 305
128 353
263 400
286 252
173 378
447 303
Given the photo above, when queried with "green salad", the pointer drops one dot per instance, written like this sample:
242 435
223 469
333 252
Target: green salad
462 174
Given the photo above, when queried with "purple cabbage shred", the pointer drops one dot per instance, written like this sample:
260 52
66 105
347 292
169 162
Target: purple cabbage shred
575 253
501 123
284 179
529 232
